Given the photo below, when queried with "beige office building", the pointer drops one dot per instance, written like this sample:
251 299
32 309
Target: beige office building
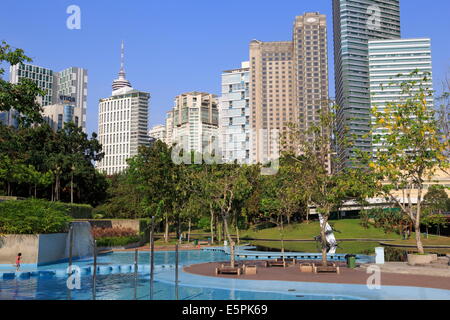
289 85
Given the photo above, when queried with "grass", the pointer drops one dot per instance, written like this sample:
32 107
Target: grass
344 247
344 229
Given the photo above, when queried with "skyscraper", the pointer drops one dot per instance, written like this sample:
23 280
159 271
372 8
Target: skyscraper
391 62
234 114
355 23
196 122
122 123
169 128
158 132
289 84
71 82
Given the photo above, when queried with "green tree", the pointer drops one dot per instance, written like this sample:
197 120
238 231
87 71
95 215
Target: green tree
411 148
21 97
326 190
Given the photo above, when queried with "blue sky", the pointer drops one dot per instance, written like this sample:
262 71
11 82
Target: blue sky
174 46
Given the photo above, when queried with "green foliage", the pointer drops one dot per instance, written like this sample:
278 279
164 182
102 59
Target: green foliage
78 211
117 241
22 96
203 224
41 163
33 217
436 200
412 146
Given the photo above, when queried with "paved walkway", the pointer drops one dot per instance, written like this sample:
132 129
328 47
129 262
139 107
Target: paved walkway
435 270
347 276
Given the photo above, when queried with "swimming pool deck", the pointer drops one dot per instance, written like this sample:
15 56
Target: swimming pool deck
357 276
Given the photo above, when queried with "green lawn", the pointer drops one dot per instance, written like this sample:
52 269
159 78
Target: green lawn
344 229
344 247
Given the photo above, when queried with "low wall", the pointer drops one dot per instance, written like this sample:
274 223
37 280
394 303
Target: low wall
36 249
11 245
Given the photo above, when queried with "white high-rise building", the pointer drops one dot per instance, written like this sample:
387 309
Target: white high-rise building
169 128
195 122
234 115
158 132
391 62
71 82
122 124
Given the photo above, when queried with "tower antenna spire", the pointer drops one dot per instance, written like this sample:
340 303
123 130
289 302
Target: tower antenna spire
121 81
122 58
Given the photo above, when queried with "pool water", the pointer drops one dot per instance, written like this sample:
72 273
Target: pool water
126 287
122 284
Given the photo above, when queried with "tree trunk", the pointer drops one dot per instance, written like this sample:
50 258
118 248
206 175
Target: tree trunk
237 227
228 235
218 230
419 238
189 231
282 238
212 223
166 230
417 221
35 191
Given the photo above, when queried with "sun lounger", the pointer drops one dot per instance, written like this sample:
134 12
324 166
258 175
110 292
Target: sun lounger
329 268
307 267
276 263
249 269
228 270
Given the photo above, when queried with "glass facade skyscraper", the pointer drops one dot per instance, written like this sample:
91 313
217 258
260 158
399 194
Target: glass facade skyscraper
391 62
71 82
355 23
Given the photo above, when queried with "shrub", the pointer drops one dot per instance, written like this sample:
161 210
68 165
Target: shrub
204 223
33 216
100 233
79 211
117 241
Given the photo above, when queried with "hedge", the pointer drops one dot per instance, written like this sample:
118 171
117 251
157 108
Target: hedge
79 211
33 216
117 241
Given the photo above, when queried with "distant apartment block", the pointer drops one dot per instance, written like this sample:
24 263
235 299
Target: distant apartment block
158 132
169 128
234 114
196 122
288 85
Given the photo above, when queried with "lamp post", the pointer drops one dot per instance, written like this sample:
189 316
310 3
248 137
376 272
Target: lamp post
71 185
152 255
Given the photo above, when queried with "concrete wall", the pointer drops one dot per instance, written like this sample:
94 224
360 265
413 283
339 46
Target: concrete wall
52 247
11 245
35 249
